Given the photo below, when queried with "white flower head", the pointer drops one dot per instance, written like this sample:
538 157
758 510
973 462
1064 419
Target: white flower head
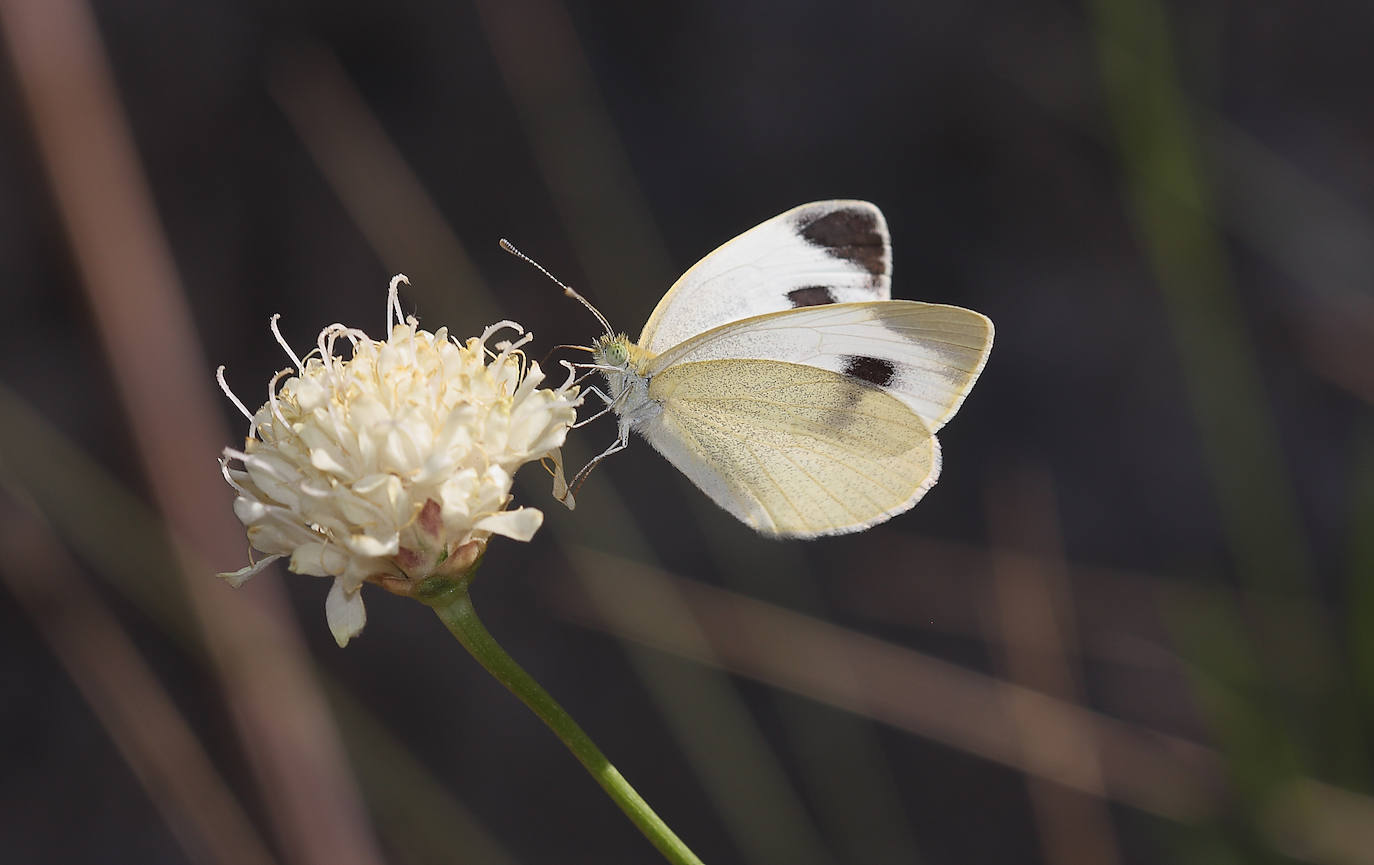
395 463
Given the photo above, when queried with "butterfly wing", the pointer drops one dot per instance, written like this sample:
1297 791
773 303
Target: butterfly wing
789 449
926 355
819 253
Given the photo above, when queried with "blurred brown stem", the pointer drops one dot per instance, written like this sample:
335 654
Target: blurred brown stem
88 151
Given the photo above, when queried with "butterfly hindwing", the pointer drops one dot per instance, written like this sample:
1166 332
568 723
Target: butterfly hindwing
790 449
926 355
819 253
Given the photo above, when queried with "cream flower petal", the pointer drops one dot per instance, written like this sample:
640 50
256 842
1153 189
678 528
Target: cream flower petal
560 481
243 575
318 559
519 524
345 613
371 546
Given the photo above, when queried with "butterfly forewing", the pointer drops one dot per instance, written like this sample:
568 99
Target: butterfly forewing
790 449
926 355
819 253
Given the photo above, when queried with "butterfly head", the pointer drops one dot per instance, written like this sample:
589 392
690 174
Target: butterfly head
618 353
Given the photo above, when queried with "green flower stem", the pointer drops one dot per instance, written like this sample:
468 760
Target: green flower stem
450 600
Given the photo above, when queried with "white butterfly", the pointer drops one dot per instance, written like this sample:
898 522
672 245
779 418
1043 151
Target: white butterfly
780 378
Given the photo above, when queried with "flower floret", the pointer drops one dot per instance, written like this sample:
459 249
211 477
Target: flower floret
380 465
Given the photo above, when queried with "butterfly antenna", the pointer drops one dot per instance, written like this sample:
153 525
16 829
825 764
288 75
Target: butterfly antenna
567 289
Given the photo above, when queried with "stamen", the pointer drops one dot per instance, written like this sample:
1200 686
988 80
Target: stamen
224 386
393 302
572 375
501 325
227 472
282 342
276 406
514 347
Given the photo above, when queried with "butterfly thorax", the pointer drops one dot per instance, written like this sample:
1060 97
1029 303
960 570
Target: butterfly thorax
624 365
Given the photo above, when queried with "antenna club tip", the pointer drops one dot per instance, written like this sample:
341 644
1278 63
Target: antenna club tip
506 245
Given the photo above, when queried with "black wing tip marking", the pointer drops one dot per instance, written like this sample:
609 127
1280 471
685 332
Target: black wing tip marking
855 234
873 370
811 295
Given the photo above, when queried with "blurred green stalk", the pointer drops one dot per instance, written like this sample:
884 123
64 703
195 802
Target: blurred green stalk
450 599
1175 220
1276 708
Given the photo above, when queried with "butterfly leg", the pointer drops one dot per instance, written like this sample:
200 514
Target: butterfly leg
610 404
622 441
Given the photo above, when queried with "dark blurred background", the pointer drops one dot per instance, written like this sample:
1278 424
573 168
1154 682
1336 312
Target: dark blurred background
1134 623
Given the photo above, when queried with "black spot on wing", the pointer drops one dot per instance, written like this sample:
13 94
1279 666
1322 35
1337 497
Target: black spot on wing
871 369
811 295
852 233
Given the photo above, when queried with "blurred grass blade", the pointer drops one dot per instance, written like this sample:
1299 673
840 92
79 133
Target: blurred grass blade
93 514
842 761
1360 582
380 191
1174 216
732 758
1033 610
910 691
1316 822
578 148
145 724
88 151
585 163
1268 739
